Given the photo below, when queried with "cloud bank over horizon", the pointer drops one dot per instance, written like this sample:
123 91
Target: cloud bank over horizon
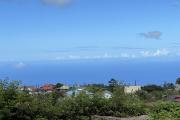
122 55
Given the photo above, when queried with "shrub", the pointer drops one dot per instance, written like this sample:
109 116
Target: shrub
165 111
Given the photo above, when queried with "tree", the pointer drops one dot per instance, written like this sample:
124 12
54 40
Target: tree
112 84
95 88
58 85
167 86
152 88
143 95
178 81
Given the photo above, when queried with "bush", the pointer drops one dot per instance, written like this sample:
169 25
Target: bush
23 106
165 111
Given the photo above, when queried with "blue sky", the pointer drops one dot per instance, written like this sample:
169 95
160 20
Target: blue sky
38 30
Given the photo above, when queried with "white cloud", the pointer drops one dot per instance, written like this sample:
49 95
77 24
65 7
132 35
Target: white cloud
151 35
157 53
48 2
103 56
60 58
140 54
124 55
19 65
57 2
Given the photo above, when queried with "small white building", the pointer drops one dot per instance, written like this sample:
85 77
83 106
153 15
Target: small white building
63 88
77 92
131 89
29 89
107 94
177 87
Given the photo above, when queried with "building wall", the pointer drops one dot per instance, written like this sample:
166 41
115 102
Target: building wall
132 89
177 87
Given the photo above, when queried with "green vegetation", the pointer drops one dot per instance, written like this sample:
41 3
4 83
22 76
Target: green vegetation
15 105
178 81
165 111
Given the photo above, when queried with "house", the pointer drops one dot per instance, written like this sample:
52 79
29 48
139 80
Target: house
29 89
175 98
177 87
48 87
107 94
63 88
131 89
77 92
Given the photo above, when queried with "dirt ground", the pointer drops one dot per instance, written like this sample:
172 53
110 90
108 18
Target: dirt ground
143 117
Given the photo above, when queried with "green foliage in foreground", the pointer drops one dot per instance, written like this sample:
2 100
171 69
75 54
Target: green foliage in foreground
16 105
22 106
166 111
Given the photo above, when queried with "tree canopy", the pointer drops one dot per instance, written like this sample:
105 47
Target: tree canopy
178 81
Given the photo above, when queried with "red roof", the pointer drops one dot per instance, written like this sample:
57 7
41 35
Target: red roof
177 97
48 87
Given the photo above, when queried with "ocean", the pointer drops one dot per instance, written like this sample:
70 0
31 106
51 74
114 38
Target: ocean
92 71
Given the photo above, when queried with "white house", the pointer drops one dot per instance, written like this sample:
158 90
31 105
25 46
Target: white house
77 92
131 89
107 94
177 87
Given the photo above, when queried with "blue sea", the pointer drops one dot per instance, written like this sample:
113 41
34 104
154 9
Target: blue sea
92 71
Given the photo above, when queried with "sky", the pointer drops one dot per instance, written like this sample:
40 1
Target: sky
43 30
